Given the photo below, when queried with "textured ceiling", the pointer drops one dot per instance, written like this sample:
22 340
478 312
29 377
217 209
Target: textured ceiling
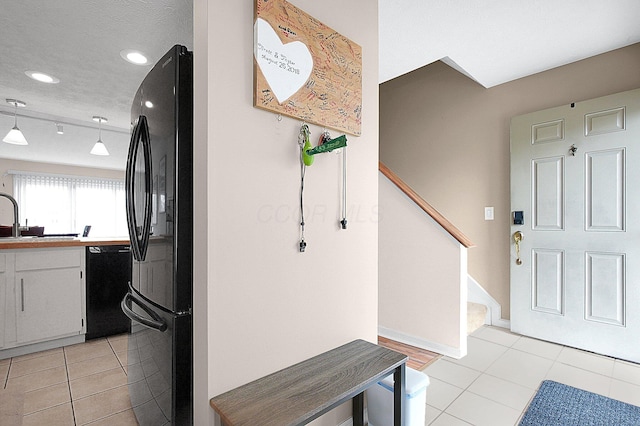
79 42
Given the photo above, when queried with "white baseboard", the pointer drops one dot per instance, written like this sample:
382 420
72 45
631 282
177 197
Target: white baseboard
43 346
477 294
449 351
502 323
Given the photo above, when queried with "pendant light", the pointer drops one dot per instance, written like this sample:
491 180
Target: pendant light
15 136
99 148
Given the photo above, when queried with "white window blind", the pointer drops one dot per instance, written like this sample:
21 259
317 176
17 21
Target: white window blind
65 204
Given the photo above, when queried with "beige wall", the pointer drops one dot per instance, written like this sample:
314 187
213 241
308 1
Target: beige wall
260 305
6 181
448 138
422 277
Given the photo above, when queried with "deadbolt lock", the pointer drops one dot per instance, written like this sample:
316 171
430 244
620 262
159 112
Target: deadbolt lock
518 236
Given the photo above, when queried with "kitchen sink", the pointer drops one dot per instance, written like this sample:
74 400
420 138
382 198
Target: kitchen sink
6 231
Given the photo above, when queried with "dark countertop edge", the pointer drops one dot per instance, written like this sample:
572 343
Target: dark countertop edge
28 243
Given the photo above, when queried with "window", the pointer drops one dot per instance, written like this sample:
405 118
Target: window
65 204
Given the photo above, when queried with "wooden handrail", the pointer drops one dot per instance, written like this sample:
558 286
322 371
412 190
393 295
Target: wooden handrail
435 215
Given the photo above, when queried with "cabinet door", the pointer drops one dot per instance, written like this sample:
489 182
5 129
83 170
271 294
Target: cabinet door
48 304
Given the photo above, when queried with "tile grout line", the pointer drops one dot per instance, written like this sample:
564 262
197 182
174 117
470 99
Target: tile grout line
6 379
117 358
66 368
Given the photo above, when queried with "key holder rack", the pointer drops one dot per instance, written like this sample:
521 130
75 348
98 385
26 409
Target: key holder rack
307 156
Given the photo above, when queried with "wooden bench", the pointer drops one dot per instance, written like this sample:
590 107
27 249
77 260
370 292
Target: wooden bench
303 392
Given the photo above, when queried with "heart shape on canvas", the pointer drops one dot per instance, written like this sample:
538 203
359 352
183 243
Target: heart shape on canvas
286 67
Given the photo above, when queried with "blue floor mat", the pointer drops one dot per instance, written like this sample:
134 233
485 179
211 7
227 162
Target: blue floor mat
556 404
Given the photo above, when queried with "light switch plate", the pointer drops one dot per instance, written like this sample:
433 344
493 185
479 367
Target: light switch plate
488 213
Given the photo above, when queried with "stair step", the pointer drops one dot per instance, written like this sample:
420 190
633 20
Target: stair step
476 314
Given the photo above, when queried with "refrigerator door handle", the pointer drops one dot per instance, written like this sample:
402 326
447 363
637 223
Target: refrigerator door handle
139 235
155 322
129 188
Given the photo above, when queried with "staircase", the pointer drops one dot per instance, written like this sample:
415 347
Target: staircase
476 315
422 272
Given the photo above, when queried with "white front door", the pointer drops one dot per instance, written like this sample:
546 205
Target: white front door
575 176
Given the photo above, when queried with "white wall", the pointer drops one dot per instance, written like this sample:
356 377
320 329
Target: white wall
422 277
260 305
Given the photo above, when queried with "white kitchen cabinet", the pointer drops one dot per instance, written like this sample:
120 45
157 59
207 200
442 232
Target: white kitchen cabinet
49 294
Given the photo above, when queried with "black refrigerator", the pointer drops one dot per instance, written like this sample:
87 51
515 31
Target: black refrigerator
159 198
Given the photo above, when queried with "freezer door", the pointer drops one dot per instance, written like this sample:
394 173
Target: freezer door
159 366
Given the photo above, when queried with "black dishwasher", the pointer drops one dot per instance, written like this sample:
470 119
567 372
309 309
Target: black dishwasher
108 275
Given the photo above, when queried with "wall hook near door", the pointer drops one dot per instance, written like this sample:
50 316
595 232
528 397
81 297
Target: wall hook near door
572 150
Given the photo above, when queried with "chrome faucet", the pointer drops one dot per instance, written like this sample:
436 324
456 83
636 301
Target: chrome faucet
16 224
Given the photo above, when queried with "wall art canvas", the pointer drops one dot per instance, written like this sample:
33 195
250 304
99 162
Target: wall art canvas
304 69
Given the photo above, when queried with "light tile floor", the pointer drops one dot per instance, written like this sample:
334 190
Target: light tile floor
84 384
87 383
494 383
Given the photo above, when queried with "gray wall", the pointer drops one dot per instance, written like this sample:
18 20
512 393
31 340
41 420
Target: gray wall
448 138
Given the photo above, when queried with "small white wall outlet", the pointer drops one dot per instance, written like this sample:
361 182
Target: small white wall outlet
488 213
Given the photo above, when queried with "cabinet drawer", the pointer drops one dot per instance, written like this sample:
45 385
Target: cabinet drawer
3 263
48 259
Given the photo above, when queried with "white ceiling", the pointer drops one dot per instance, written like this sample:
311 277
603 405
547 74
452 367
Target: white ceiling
496 41
79 42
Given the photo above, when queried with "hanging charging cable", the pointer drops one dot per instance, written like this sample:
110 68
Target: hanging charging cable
303 141
343 222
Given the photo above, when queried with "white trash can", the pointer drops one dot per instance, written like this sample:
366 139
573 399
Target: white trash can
380 400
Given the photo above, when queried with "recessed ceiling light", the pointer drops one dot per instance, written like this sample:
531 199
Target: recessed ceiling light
148 104
134 56
42 77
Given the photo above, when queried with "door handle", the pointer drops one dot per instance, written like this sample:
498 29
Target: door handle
155 321
518 236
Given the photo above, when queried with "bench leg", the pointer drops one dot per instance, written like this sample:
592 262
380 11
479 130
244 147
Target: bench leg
399 394
358 409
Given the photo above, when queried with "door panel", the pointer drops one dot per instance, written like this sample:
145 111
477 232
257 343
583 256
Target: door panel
601 122
605 288
573 169
548 193
548 281
547 132
605 190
